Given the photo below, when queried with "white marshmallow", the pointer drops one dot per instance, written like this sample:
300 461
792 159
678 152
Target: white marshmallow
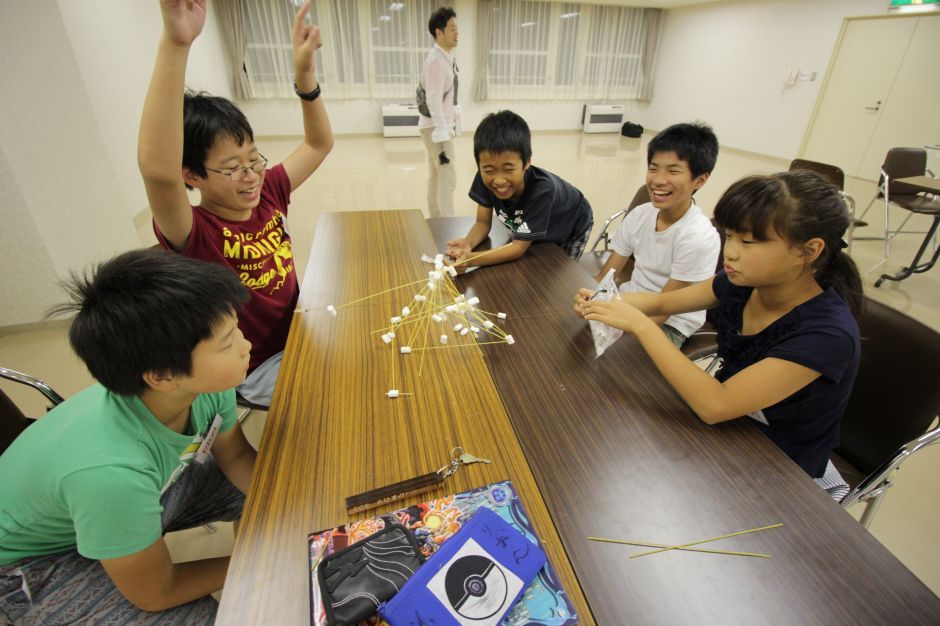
420 298
464 332
391 334
452 271
488 324
332 310
458 327
501 316
438 258
473 301
405 349
443 339
432 285
474 329
392 393
435 275
395 320
386 338
405 311
437 317
451 308
459 298
509 339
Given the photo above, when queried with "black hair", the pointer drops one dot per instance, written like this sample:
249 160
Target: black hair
145 311
695 143
798 205
206 118
439 20
503 131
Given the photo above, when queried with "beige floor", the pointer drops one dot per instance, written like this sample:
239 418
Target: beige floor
371 173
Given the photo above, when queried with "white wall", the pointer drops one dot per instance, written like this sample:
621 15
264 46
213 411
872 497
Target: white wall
60 207
725 63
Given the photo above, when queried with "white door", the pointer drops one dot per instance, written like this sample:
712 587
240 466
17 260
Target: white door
910 117
856 95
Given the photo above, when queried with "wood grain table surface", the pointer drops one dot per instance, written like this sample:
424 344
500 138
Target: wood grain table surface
331 432
616 453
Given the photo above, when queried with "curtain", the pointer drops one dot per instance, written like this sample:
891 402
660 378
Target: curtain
565 50
371 48
232 19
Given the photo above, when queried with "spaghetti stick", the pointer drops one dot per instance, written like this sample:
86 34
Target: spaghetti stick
474 258
417 282
457 345
647 544
695 543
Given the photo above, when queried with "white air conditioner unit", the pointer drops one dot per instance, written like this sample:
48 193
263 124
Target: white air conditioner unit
400 120
602 118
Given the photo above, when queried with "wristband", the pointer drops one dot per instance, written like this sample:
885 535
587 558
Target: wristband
309 96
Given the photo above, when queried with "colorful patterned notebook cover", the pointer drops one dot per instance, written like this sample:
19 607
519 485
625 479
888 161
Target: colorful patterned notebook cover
544 602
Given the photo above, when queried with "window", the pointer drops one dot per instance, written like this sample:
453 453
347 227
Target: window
372 48
538 50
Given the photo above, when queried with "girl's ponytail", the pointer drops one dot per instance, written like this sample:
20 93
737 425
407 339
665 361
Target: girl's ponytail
839 271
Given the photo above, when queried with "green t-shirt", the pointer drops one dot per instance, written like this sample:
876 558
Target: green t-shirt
89 475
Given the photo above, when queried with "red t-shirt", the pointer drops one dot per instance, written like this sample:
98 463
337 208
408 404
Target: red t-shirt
259 251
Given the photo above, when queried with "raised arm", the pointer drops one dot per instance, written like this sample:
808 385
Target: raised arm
318 135
160 142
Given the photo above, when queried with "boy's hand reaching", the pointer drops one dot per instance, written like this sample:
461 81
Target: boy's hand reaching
459 249
183 20
306 40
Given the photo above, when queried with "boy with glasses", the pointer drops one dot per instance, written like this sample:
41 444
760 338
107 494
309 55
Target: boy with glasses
240 220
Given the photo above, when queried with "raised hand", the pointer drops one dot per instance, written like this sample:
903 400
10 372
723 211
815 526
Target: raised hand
305 41
183 20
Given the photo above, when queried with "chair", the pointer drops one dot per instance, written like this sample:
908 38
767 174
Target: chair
836 176
593 261
903 163
894 401
12 420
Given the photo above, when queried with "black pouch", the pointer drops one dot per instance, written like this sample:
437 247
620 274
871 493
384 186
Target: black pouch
355 580
629 129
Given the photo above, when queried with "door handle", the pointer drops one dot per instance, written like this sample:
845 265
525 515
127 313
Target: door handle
877 107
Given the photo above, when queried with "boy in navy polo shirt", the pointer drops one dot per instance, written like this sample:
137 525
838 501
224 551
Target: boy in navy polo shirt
534 204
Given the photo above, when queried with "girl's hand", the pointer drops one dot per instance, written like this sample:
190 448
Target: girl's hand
183 20
616 313
580 299
305 41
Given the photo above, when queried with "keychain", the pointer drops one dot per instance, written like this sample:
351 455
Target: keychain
413 486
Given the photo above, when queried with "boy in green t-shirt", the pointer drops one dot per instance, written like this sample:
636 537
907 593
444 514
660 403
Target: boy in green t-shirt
89 490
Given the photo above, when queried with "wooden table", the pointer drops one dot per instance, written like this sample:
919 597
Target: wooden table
331 432
612 449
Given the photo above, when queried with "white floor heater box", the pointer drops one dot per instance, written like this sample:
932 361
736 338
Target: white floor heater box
602 118
400 120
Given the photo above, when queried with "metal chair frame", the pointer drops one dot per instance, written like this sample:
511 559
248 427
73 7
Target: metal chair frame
35 383
873 488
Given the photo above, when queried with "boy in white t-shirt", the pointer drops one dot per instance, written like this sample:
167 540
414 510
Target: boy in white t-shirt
671 240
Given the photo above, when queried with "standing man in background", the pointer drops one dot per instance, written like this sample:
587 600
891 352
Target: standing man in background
437 103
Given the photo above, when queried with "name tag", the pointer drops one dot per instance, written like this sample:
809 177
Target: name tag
203 452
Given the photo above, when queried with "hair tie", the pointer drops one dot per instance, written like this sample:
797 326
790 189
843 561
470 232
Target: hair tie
843 243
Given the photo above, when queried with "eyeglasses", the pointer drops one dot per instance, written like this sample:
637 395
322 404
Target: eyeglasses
238 174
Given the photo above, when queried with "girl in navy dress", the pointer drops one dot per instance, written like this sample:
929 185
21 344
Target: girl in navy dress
785 308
